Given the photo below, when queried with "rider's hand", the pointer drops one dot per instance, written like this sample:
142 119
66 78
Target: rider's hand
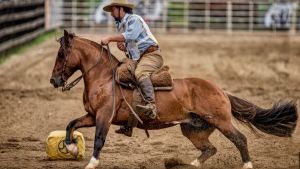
105 41
121 46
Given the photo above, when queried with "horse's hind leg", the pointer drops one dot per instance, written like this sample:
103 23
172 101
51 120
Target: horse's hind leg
84 121
238 139
199 137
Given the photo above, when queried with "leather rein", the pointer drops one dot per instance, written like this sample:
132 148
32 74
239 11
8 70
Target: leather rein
67 87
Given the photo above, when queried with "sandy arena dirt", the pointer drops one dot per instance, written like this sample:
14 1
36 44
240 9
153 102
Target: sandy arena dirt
260 68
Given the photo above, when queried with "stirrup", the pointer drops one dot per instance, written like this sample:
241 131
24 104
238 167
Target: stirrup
151 114
149 110
126 130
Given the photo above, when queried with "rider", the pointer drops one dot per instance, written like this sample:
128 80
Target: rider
141 46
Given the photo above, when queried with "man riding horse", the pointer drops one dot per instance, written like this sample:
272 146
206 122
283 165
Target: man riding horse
140 45
198 105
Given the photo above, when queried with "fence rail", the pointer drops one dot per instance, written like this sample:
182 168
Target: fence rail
20 22
11 4
186 15
22 15
24 20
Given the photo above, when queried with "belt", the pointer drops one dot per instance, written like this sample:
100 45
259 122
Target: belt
150 49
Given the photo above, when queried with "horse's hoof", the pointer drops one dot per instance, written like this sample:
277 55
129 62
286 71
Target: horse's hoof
92 164
248 165
88 167
196 163
72 149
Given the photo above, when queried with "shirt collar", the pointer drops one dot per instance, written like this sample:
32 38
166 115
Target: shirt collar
125 18
123 21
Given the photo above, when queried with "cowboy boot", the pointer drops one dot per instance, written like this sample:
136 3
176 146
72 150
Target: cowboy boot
126 130
149 109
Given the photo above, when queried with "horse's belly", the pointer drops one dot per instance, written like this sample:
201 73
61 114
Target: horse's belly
169 107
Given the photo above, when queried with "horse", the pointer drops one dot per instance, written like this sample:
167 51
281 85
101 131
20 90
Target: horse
197 105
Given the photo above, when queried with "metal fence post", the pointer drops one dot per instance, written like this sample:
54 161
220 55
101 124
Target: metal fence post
229 17
74 16
165 16
191 14
294 19
207 15
251 13
186 16
91 18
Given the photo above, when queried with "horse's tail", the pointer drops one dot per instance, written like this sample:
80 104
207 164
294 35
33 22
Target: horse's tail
280 120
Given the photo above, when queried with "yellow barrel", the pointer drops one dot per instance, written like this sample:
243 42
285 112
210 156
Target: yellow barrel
56 149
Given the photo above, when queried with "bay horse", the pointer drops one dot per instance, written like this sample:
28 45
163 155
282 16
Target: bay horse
198 105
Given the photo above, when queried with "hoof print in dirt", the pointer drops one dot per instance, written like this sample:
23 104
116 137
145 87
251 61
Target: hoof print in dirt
176 163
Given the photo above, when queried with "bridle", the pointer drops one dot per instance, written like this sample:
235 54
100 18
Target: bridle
64 66
67 87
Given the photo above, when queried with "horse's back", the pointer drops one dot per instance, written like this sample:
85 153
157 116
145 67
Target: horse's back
196 87
194 95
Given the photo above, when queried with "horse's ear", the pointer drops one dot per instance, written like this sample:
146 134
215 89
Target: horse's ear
66 33
71 35
68 37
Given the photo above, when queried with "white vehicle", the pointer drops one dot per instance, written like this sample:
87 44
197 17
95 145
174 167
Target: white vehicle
279 15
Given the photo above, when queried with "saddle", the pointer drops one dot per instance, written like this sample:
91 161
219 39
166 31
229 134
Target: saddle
161 79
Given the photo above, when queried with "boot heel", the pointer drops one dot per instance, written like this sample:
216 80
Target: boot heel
127 131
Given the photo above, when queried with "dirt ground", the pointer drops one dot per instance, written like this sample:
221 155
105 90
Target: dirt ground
260 68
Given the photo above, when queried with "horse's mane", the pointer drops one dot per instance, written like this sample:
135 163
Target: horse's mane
93 43
62 40
98 46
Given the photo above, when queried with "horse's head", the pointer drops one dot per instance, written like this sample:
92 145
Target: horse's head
67 61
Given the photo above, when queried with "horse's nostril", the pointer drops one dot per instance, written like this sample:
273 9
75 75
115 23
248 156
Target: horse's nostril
52 81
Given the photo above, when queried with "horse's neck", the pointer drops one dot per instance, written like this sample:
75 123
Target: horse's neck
102 72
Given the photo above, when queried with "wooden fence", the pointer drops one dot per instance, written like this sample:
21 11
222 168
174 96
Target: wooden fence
186 15
23 20
20 21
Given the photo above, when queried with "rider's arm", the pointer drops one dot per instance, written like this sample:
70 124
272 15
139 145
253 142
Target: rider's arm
113 38
116 38
133 30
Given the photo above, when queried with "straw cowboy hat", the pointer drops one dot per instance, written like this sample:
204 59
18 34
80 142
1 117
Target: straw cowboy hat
123 3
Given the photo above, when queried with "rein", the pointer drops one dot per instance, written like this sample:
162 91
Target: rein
114 93
113 84
68 87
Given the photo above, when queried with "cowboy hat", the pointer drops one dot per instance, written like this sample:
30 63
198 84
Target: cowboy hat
122 3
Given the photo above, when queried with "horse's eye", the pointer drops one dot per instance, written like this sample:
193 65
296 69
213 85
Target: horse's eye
60 55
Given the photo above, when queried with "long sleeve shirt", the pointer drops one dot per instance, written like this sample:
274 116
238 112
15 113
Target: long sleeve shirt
137 35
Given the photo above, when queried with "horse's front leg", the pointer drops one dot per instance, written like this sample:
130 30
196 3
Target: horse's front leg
85 121
102 127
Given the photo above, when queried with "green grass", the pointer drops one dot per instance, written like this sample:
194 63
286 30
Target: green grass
24 47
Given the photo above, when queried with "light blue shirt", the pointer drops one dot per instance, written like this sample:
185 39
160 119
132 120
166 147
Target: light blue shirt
133 30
